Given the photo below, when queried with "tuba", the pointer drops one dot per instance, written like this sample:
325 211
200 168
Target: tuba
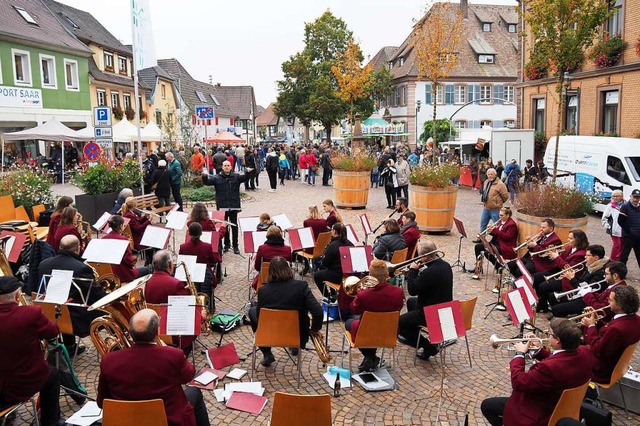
202 299
109 282
318 342
352 285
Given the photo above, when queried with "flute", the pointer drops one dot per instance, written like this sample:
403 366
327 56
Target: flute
140 211
224 221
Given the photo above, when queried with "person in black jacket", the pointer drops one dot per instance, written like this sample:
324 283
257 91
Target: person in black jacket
162 179
227 187
390 241
68 259
271 165
331 267
250 161
283 292
629 221
327 168
432 284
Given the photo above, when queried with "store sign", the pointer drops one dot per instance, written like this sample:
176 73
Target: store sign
20 97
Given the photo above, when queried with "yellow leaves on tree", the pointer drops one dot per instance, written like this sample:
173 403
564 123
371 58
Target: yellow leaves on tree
352 78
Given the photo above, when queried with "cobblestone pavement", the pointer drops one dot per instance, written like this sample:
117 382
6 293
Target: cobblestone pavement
416 400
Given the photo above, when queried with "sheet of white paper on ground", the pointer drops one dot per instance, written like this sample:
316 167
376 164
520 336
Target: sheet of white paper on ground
520 282
105 251
358 259
206 378
155 236
378 384
102 220
87 415
196 270
181 313
237 373
248 223
282 221
259 238
58 286
331 379
447 324
249 387
518 306
177 220
219 394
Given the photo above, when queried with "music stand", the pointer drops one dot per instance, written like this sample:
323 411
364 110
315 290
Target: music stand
490 249
499 301
463 234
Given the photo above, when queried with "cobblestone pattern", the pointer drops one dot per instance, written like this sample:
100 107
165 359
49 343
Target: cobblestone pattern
416 400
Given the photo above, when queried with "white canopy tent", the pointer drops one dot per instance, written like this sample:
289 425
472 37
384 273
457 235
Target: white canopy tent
151 133
89 132
52 130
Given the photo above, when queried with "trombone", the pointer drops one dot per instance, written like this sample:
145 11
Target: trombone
496 342
544 252
576 268
402 267
599 314
573 294
489 228
528 240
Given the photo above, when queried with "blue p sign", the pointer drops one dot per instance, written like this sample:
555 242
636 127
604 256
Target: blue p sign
101 117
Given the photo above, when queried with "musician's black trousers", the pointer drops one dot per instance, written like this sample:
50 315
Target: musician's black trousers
232 217
628 243
409 322
326 275
493 409
479 248
565 309
194 396
545 289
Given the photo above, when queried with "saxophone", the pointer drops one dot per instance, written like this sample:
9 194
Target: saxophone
202 299
318 342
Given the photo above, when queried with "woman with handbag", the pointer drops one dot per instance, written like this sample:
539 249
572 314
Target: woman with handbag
610 223
390 183
161 183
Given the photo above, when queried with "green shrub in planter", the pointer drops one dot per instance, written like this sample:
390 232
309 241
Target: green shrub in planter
203 193
27 187
438 176
104 177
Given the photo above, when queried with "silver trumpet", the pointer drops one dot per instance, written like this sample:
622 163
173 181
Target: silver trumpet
576 268
573 294
497 342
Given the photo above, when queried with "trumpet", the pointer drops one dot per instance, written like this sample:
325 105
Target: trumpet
497 342
573 294
548 250
490 227
576 268
352 285
402 267
599 314
528 240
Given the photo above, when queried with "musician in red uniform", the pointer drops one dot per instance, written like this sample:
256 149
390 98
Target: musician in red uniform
382 298
505 238
68 226
410 232
137 222
126 270
204 253
272 248
609 341
200 214
571 256
23 368
147 371
537 391
54 221
539 263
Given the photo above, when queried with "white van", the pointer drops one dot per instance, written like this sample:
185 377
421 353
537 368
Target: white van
597 164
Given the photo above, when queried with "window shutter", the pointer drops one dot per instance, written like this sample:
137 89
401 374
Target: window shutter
427 91
471 96
474 124
448 94
498 94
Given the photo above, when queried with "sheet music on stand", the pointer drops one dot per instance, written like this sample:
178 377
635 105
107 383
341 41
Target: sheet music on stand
366 225
102 221
156 237
532 297
351 234
517 305
524 271
355 259
105 251
444 321
107 229
249 223
282 221
59 286
197 271
253 240
177 220
181 311
301 238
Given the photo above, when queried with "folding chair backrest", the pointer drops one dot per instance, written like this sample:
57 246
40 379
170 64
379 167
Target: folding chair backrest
277 328
378 330
263 277
102 268
133 413
36 210
129 234
321 243
21 214
7 208
49 310
621 366
399 255
467 307
569 404
293 410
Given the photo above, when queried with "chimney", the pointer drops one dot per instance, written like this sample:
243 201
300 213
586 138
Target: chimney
210 79
464 5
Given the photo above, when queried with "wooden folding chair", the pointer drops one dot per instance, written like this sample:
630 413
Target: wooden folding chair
322 241
622 366
7 208
36 210
293 410
277 328
133 413
263 276
569 404
399 255
6 412
64 320
376 330
467 307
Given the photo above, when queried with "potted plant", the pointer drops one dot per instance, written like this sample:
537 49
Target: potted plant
433 195
130 113
352 178
27 187
567 206
101 184
117 112
608 51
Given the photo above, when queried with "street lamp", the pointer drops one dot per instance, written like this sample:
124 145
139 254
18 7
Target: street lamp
418 103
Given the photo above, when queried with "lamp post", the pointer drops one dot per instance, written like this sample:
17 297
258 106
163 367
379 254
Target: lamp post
418 103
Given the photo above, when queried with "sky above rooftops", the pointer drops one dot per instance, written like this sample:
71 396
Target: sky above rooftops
244 42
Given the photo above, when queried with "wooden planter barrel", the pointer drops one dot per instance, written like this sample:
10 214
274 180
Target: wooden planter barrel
351 189
530 225
434 207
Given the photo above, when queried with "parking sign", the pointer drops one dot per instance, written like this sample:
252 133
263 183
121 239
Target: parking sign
102 116
205 112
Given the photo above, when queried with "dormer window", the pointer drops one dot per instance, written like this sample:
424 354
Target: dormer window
108 61
486 27
201 96
214 99
25 15
512 28
401 61
486 59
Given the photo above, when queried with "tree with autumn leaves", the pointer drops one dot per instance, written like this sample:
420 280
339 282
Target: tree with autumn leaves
435 43
558 33
326 80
